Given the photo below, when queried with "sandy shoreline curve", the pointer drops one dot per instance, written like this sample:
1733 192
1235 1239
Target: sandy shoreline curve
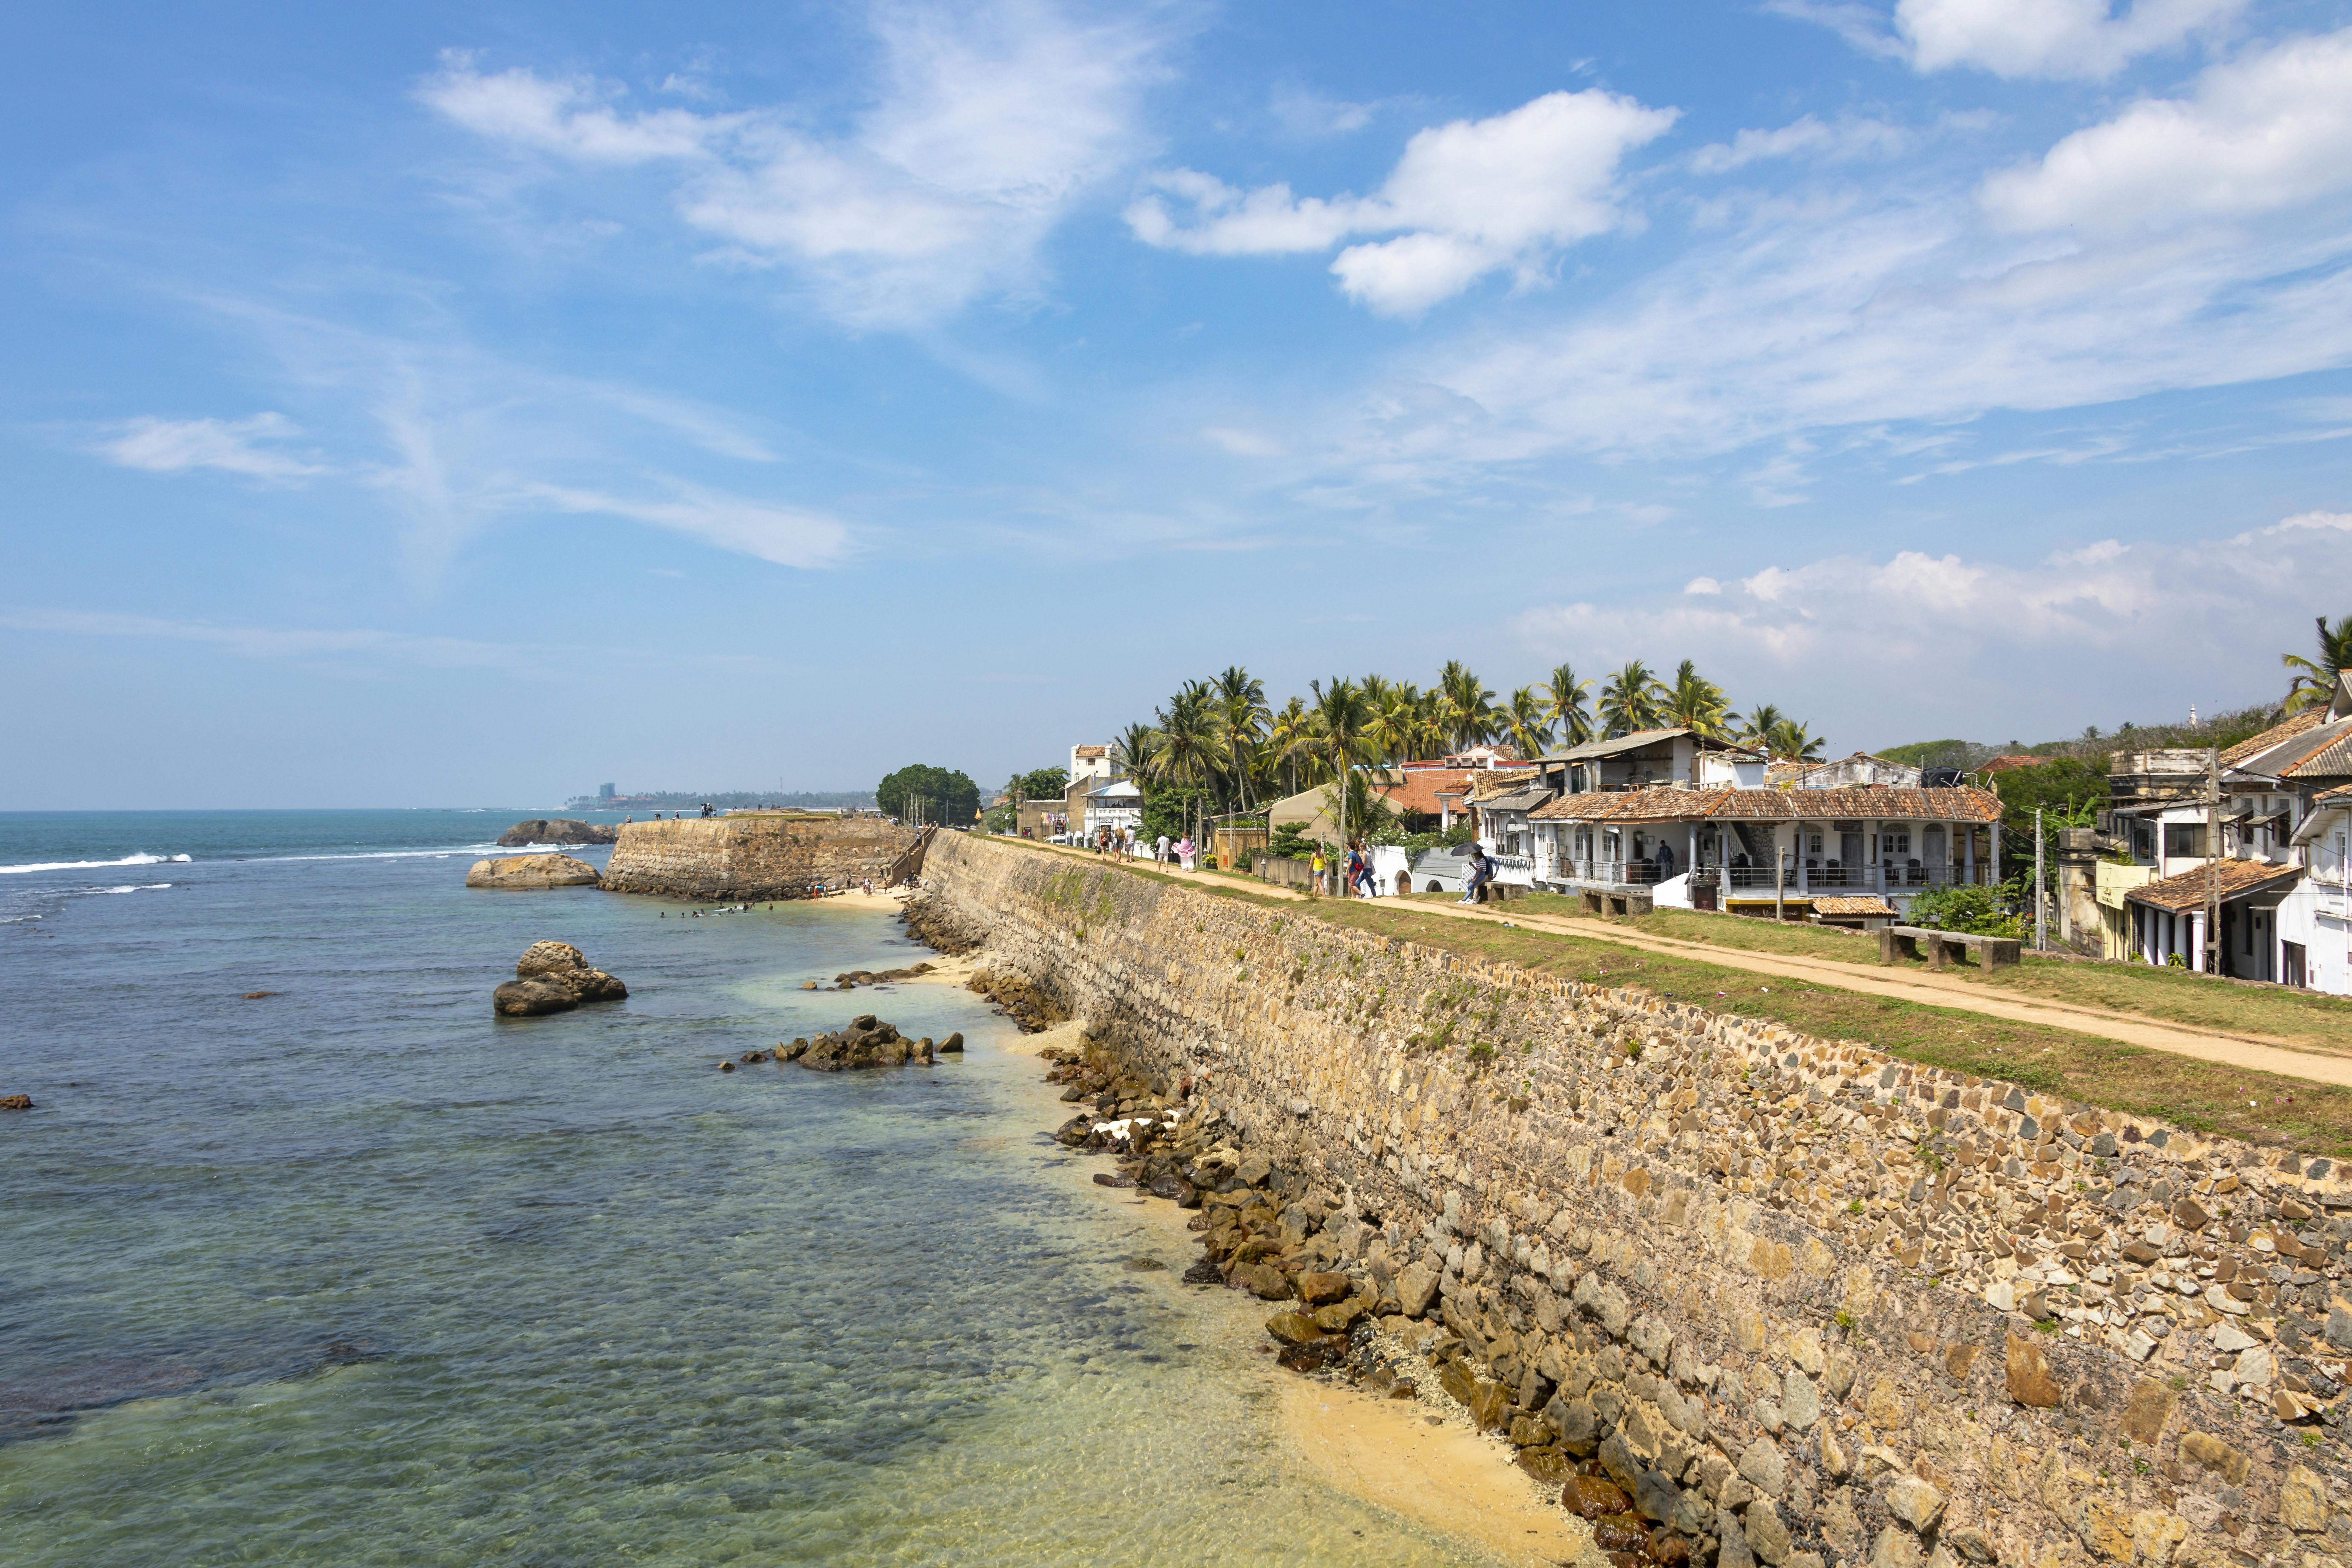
1445 1478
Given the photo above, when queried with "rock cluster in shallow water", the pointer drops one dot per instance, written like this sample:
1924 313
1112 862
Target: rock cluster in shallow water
553 977
866 1042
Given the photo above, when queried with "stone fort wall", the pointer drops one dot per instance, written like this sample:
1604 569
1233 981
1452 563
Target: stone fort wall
1811 1302
757 856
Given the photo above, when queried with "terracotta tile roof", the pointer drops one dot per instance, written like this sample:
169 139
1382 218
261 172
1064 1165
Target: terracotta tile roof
2340 795
1420 788
2256 745
1090 750
2186 889
1850 905
1678 805
2330 758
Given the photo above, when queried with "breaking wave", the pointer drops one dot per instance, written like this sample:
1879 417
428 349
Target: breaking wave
98 865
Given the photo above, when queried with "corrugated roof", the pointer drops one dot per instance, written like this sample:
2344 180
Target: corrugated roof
2329 758
1616 745
2186 889
1517 800
1679 805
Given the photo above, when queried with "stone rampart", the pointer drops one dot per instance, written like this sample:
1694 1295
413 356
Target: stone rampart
755 856
1810 1303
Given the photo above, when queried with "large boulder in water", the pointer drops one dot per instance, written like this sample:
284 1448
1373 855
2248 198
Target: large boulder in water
867 1042
556 830
524 872
553 977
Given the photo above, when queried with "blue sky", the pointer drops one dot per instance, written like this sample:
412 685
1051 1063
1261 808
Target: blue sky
444 404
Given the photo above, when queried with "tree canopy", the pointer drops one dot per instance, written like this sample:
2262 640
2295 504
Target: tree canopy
1039 783
944 796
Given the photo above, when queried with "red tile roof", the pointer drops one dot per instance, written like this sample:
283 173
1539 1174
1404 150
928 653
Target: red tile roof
2255 745
1420 788
2186 889
1850 905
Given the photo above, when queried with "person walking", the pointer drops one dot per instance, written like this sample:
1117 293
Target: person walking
1160 850
1185 852
1315 879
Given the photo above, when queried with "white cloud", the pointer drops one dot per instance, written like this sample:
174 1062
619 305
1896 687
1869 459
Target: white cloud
1828 141
989 124
1304 113
572 117
786 535
2272 130
175 446
2017 38
1471 197
1882 641
268 642
2050 37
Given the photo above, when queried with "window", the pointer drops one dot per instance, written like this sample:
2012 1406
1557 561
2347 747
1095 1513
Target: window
1812 844
1897 843
2184 838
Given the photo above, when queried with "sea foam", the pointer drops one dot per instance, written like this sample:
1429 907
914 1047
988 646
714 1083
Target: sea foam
95 865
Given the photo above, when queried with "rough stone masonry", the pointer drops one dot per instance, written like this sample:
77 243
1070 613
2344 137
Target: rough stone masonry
1816 1304
758 857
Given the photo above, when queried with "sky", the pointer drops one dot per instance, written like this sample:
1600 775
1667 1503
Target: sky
436 404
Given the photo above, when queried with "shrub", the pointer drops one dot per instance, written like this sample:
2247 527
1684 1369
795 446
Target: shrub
1969 907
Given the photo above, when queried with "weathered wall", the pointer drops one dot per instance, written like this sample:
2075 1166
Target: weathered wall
1814 1290
753 857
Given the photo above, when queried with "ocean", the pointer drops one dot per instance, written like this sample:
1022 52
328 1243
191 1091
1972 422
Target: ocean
357 1273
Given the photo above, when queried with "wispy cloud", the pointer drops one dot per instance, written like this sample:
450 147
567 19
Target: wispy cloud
1466 199
273 642
989 124
781 534
1810 137
229 446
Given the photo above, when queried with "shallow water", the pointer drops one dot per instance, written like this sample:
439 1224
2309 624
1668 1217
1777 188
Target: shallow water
359 1273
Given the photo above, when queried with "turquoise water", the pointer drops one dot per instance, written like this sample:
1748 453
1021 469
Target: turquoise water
359 1273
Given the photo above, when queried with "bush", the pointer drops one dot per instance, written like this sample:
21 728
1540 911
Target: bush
1972 908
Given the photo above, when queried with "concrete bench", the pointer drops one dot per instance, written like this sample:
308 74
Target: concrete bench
1946 947
1601 903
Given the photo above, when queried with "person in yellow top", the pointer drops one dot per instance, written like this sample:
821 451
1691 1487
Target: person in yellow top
1320 872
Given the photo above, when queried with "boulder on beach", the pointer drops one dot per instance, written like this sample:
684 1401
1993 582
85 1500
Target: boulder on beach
867 1042
523 872
553 977
556 830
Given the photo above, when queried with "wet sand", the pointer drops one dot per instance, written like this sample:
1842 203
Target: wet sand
1445 1478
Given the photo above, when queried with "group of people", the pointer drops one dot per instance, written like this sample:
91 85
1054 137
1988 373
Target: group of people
1119 843
1354 873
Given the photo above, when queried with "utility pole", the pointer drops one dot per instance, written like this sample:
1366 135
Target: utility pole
1780 879
2040 911
2212 859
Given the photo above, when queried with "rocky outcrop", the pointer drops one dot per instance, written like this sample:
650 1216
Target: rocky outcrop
867 1042
16 1102
524 872
1763 1297
556 830
553 977
759 858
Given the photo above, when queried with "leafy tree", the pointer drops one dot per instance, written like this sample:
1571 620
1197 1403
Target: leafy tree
1132 753
1170 810
1756 728
943 796
1529 734
1467 707
1039 783
2314 678
1290 739
1971 907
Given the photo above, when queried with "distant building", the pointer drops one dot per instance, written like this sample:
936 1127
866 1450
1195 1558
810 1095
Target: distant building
604 792
1091 763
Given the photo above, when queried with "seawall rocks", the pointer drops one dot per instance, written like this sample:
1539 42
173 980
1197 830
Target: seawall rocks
558 830
1814 1303
758 857
523 872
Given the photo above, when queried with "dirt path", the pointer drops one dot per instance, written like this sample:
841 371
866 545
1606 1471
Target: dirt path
2254 1053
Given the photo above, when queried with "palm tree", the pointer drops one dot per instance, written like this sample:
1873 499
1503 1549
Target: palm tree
1529 734
1756 728
1564 706
1469 710
1395 723
1192 744
1241 712
2314 678
1694 702
1629 700
1341 725
1789 741
1288 740
1132 753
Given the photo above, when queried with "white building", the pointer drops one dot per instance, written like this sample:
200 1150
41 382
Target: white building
1091 763
1117 804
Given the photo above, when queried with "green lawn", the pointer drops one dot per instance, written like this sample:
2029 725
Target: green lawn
2166 996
